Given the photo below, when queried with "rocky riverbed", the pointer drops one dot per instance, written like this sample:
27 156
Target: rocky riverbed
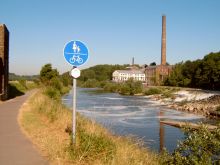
200 102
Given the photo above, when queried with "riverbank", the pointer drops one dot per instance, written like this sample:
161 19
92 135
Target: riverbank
46 122
201 102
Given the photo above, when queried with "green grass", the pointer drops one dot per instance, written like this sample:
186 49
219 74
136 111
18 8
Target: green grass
18 88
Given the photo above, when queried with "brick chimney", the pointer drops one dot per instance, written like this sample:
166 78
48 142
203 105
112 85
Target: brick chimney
163 42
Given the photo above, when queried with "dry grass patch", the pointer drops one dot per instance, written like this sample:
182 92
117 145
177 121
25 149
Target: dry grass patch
45 121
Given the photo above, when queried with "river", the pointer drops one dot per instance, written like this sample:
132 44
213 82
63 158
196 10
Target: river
132 115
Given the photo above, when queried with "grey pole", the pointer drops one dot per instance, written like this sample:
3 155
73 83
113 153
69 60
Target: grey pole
74 110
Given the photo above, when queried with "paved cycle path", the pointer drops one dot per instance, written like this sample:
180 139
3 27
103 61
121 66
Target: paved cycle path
15 148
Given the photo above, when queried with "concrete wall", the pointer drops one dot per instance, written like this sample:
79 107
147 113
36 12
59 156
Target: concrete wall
4 61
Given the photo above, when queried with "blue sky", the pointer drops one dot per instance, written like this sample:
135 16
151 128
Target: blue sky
113 30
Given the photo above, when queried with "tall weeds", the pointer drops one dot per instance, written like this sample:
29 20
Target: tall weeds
48 124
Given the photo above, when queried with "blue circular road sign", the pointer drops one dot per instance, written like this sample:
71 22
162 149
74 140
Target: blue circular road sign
76 53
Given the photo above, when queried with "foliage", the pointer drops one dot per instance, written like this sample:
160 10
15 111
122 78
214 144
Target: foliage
15 89
152 91
90 83
203 73
18 88
14 77
201 146
53 93
47 73
111 87
23 83
153 64
131 87
66 79
100 72
56 85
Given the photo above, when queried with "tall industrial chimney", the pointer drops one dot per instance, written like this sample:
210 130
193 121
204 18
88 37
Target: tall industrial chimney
132 61
163 42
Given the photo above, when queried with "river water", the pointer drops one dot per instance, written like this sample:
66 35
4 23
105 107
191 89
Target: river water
132 115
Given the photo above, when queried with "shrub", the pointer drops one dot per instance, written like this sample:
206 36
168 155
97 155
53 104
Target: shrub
131 87
90 83
167 94
56 83
14 89
53 93
111 87
153 91
125 90
201 146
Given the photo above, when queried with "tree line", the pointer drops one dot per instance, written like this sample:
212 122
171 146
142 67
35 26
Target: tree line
13 77
204 73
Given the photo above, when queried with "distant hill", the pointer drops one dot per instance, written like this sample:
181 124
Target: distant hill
13 77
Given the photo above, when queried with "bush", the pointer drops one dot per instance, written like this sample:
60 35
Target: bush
153 91
56 83
90 83
125 90
103 83
168 94
14 90
201 146
53 93
111 87
131 87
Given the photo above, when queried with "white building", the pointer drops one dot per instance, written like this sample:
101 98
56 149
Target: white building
124 75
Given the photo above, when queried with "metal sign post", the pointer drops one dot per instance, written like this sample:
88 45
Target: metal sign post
76 54
74 110
75 73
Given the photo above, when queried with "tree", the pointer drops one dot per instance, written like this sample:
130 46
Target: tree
176 77
131 87
203 73
100 72
47 73
153 64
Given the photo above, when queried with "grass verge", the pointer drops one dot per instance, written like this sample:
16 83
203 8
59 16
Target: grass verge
47 123
18 88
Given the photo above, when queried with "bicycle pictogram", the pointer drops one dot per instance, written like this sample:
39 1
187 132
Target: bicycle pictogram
76 58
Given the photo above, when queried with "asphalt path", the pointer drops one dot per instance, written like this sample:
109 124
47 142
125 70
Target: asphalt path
15 148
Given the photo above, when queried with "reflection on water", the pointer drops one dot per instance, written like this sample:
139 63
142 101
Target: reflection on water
131 115
161 132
